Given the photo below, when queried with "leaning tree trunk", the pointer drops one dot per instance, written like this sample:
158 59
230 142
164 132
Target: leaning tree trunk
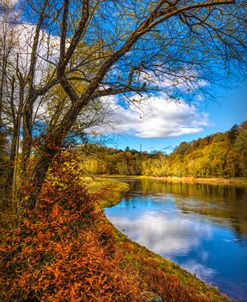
38 177
51 146
48 150
27 135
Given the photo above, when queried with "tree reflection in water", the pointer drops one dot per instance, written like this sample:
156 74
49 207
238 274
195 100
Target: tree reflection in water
225 203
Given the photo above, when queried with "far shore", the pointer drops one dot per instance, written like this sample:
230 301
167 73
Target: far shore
189 179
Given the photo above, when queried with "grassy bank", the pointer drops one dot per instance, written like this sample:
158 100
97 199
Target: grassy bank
161 276
189 180
66 250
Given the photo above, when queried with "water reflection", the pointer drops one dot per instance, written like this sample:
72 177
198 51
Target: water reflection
201 227
201 271
181 235
216 201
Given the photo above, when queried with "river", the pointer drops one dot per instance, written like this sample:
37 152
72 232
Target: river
203 228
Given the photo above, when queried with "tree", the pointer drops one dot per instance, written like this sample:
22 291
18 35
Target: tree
240 147
11 94
232 134
156 46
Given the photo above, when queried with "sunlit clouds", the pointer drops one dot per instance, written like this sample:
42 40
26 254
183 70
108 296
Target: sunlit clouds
156 117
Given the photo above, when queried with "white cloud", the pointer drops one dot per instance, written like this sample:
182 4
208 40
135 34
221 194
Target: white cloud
163 234
19 39
155 117
48 49
186 79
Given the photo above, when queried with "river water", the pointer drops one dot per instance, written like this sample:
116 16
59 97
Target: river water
203 228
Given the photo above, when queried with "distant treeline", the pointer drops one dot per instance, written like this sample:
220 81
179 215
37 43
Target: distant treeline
217 155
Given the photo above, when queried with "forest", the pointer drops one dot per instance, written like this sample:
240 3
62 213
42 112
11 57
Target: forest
217 155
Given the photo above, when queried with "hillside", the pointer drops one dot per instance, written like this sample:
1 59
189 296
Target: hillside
217 155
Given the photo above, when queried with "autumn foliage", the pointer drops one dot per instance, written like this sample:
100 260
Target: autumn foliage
216 155
60 252
65 250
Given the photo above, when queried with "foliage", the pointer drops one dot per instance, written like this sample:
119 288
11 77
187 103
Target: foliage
61 251
107 192
217 155
65 250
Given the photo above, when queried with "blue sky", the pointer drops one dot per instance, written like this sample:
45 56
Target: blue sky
160 124
228 109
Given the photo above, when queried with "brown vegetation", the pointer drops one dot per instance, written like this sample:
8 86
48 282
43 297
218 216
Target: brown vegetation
66 250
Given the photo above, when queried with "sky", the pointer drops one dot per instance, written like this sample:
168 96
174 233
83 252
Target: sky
172 127
160 124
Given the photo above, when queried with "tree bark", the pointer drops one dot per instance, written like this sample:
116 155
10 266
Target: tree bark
48 150
38 177
27 136
9 181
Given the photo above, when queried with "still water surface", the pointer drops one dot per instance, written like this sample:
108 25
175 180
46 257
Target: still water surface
201 227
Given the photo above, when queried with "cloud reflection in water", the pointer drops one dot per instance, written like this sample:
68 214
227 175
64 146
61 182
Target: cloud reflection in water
163 235
168 236
200 270
169 223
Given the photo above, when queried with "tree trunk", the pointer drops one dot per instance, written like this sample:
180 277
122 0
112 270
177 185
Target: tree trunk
9 181
38 178
48 150
10 185
27 136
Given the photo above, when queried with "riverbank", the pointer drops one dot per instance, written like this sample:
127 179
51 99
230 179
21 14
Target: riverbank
67 249
213 180
163 277
189 180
